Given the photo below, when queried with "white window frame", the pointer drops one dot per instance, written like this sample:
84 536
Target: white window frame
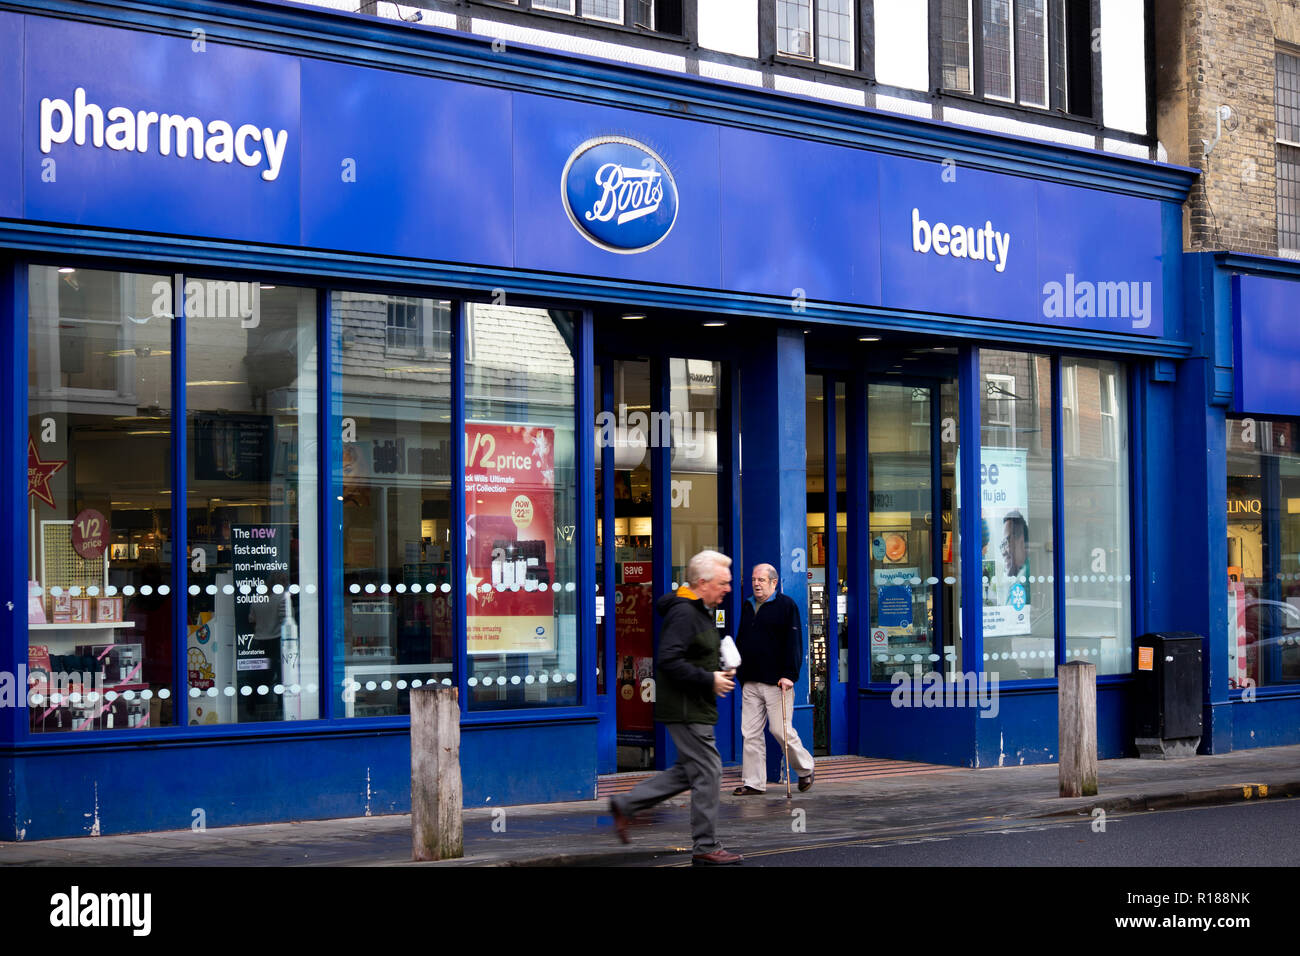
970 50
1047 57
1006 386
814 54
1110 416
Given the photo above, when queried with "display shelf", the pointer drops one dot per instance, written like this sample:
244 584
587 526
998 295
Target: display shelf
80 627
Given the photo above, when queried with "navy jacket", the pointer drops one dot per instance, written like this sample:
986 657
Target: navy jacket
770 641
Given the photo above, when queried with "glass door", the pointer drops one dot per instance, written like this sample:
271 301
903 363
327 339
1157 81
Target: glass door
633 563
658 437
915 621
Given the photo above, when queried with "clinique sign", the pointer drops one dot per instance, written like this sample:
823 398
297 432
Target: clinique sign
123 129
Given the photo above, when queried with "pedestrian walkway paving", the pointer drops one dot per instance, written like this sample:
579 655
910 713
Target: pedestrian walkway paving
829 770
869 808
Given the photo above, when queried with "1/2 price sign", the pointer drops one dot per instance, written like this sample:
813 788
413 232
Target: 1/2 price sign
89 534
510 538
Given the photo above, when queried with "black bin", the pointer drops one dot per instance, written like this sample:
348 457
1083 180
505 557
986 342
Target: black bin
1169 691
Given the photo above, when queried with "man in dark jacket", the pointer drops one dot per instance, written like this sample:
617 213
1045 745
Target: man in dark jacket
688 678
770 641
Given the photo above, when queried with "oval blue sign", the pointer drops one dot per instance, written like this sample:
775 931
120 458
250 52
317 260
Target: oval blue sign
619 194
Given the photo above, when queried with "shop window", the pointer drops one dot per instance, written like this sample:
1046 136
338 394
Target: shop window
394 479
1287 99
1263 509
1097 557
99 448
520 506
1017 514
252 505
821 31
913 563
1034 53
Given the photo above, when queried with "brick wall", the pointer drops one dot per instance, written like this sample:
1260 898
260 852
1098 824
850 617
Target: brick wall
1221 52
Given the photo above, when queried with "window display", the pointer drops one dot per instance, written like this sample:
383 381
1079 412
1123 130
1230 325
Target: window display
99 500
252 502
520 492
1016 503
1263 577
1098 569
393 401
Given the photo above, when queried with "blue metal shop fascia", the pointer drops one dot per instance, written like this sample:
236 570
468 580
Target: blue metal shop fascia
136 251
433 51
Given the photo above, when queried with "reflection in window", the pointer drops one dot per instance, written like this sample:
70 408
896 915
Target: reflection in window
1263 553
395 482
1031 52
833 30
99 443
1016 514
520 505
1098 562
251 363
997 49
955 39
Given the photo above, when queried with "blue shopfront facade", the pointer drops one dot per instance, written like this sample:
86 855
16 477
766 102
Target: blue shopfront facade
331 165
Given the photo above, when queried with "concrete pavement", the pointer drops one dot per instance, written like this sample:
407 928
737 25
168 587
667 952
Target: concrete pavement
581 833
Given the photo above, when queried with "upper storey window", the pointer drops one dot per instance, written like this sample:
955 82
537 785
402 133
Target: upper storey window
817 30
659 16
1034 53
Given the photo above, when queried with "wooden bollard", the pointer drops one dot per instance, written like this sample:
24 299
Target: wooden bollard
437 827
1077 712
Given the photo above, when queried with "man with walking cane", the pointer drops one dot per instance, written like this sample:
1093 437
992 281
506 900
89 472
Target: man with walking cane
689 677
770 641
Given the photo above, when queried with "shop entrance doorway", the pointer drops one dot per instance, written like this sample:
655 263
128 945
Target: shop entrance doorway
883 578
662 495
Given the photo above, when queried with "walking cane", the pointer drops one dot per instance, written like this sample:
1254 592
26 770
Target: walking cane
785 740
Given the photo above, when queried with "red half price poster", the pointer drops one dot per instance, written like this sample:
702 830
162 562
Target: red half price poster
510 538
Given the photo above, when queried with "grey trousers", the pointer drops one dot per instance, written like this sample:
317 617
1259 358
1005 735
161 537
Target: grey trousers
698 769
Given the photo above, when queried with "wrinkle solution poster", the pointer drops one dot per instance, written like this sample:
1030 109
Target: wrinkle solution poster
510 538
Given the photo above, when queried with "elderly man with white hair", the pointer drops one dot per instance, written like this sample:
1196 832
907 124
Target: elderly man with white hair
770 640
688 679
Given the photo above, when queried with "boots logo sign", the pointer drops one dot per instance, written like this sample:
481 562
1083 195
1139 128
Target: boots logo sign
619 194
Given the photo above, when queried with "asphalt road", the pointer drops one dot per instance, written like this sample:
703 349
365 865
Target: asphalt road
1238 835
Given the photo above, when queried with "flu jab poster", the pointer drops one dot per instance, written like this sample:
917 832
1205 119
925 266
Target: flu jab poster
509 538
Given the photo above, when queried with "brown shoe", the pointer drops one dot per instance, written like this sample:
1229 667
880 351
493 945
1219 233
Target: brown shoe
805 783
746 792
620 821
718 857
